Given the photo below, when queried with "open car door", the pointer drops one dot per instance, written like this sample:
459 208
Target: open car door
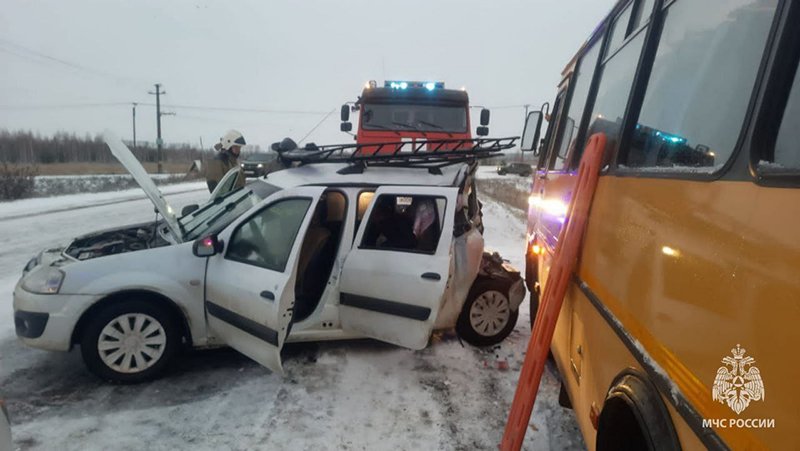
394 280
250 285
226 184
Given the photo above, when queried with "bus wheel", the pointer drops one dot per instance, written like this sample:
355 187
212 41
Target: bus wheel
533 303
532 284
635 417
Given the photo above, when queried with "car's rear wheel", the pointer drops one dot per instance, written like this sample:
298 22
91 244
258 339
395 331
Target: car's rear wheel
487 317
130 341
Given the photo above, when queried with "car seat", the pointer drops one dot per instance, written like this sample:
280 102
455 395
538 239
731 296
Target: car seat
317 255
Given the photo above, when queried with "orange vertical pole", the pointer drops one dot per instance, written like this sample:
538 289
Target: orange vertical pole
564 265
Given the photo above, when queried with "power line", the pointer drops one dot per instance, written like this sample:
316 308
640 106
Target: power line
198 108
182 107
316 126
507 107
63 106
218 120
243 110
32 55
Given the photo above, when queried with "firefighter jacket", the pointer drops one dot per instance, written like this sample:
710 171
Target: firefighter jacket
216 168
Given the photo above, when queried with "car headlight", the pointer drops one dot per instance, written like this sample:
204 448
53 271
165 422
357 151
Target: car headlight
44 281
260 165
242 165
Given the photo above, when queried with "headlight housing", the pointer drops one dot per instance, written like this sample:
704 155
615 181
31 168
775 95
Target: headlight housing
260 165
44 281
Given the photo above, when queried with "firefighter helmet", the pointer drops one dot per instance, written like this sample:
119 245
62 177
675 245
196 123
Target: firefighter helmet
232 138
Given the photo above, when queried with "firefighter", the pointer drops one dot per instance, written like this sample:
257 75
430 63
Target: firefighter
227 158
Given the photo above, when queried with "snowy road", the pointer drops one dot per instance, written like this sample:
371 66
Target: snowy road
345 395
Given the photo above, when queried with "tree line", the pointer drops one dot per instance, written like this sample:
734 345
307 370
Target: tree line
24 147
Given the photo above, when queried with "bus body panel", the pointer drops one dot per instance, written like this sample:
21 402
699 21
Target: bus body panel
690 269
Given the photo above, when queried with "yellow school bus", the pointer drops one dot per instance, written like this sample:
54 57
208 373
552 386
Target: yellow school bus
681 326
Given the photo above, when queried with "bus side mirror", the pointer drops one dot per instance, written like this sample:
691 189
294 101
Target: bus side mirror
483 131
530 134
346 126
345 113
484 117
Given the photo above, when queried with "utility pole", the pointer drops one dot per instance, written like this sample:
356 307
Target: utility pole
524 121
159 143
134 125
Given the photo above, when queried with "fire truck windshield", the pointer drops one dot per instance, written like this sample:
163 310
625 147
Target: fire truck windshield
410 117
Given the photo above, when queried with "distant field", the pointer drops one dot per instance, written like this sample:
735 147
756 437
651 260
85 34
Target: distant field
104 168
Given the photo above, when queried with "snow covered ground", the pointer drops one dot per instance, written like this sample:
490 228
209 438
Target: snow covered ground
357 395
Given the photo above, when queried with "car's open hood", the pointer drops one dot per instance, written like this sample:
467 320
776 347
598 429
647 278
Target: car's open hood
125 156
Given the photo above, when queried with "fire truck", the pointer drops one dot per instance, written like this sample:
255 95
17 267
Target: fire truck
403 111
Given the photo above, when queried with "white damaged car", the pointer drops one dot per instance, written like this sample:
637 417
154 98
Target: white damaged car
315 252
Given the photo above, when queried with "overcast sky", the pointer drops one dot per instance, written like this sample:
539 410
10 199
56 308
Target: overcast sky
306 57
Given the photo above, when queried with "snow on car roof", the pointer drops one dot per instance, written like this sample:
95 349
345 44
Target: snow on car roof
327 174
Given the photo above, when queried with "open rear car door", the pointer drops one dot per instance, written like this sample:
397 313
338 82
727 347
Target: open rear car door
250 286
393 281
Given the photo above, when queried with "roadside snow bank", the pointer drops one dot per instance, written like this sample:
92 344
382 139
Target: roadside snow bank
56 185
71 201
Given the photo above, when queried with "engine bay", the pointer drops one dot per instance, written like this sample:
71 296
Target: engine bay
117 241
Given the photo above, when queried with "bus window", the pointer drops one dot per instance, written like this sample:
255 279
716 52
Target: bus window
619 29
700 85
613 91
581 81
551 127
787 145
643 11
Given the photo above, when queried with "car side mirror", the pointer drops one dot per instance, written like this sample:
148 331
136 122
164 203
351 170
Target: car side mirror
483 131
207 247
346 126
345 113
189 209
530 134
484 117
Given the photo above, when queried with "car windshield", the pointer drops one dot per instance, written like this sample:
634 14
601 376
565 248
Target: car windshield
408 117
217 214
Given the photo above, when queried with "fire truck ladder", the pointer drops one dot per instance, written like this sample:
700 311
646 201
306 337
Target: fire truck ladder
430 154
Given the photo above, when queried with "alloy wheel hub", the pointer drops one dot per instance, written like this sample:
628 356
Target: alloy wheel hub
131 343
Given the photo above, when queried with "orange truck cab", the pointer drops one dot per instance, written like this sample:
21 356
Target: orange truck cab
403 111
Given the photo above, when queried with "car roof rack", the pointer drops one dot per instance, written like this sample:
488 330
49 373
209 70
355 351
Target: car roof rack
430 154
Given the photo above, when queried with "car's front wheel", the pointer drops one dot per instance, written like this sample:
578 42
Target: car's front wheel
130 341
486 318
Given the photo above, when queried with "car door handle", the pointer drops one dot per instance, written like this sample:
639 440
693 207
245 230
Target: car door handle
431 276
268 295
